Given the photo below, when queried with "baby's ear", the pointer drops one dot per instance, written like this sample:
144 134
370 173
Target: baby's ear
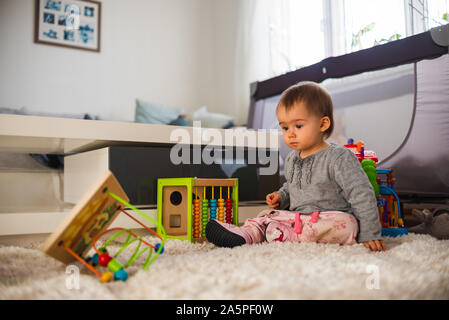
325 123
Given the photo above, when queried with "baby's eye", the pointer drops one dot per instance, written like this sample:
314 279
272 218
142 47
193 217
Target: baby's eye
299 126
285 128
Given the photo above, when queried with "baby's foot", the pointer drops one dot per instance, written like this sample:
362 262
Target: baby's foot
226 235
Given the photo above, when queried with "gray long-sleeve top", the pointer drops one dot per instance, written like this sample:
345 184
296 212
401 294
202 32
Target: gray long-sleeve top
331 179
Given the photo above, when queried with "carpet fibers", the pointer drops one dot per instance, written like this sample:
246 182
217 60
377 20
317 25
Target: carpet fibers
413 267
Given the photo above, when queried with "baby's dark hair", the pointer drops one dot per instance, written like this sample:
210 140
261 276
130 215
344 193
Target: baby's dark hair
316 99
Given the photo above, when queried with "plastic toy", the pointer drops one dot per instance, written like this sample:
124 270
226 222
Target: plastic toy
369 166
185 205
388 202
360 152
389 206
87 223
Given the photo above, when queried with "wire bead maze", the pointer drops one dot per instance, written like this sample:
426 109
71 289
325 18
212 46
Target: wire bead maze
102 257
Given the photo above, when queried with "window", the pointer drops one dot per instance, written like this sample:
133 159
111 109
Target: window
426 14
296 34
438 13
303 32
370 23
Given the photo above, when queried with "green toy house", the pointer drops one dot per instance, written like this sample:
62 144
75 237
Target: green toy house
185 205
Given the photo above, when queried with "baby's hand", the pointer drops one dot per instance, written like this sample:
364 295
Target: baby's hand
375 245
273 200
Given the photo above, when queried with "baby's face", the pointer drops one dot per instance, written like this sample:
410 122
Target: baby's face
300 128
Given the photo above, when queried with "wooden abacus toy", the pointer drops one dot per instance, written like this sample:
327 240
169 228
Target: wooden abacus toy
185 205
88 222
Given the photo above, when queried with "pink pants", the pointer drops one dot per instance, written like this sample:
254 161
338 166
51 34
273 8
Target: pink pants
322 227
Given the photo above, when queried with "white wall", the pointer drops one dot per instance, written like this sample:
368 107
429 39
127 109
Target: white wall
156 50
180 53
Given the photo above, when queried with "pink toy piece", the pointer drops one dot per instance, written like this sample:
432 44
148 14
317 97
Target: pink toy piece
314 217
298 223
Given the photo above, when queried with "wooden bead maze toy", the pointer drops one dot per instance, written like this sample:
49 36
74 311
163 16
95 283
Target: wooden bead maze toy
185 205
88 222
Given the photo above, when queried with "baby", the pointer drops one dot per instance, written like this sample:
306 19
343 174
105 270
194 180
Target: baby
328 195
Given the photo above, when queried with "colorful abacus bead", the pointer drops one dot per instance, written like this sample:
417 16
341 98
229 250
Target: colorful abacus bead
158 245
196 218
104 259
121 275
213 209
205 217
106 277
95 260
117 269
114 265
228 210
221 210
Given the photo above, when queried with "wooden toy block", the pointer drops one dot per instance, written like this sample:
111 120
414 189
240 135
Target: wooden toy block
92 214
185 205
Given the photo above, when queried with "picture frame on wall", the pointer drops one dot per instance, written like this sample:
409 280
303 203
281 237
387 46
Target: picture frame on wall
68 23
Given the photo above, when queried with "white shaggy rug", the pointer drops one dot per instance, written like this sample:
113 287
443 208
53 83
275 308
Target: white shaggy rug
414 267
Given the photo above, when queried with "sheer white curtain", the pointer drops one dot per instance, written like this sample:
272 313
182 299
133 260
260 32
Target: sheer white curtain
296 34
274 37
251 51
